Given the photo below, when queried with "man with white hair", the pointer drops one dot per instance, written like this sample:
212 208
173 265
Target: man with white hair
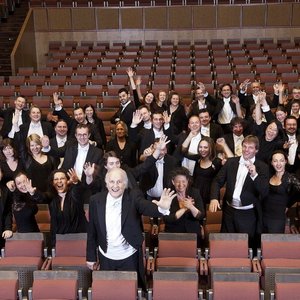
115 230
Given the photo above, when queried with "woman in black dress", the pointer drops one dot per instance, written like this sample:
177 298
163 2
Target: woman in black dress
92 118
176 110
122 146
23 207
37 165
206 168
284 191
10 163
66 205
5 212
186 211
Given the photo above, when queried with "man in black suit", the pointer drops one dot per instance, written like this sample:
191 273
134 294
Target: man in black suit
292 145
202 101
115 230
247 183
13 118
157 177
208 128
126 109
234 140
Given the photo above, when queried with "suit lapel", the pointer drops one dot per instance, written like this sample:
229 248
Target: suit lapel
125 207
101 210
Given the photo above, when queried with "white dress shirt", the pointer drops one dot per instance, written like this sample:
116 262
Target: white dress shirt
35 128
205 130
193 149
226 114
117 247
80 159
292 149
11 134
238 144
157 189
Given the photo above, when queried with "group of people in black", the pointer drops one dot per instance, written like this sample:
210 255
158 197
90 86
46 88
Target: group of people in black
165 159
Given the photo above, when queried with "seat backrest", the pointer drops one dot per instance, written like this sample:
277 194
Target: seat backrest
177 244
287 286
9 284
235 286
233 245
175 285
109 285
280 246
55 285
25 244
71 244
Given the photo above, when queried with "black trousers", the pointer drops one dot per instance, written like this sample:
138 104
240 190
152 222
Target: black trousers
241 221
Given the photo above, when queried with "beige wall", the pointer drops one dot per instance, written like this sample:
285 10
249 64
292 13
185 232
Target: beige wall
158 23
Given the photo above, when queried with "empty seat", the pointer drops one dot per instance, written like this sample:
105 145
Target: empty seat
9 284
235 286
16 80
54 285
25 71
175 286
7 91
24 253
109 285
287 286
28 90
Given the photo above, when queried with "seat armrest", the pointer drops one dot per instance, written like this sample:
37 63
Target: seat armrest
2 252
89 293
47 264
147 252
256 267
45 252
259 256
150 294
250 253
139 294
200 294
203 266
53 253
272 295
150 265
261 295
155 251
79 294
154 229
209 294
20 294
206 253
30 294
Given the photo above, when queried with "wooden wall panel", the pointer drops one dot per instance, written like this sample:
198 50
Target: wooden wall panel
228 16
59 19
108 18
40 19
279 14
83 19
156 18
204 16
296 14
132 18
180 17
253 16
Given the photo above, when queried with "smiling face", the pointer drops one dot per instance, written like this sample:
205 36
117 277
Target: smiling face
204 118
157 121
290 126
60 182
120 131
278 162
82 135
89 112
116 182
226 91
35 148
113 162
271 132
255 87
238 129
20 103
146 114
280 115
175 100
20 183
162 96
35 114
79 115
8 151
194 123
180 183
149 98
204 149
248 150
124 97
61 128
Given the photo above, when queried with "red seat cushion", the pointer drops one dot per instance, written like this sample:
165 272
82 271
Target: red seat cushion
230 263
280 262
287 290
69 261
178 262
21 261
9 289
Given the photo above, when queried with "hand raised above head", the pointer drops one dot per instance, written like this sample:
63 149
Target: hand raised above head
166 199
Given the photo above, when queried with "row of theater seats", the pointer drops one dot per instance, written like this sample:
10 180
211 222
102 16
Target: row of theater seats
177 265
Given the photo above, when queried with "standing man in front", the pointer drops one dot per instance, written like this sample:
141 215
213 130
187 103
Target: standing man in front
247 183
115 230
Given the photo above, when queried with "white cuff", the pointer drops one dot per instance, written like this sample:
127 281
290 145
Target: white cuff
165 212
265 108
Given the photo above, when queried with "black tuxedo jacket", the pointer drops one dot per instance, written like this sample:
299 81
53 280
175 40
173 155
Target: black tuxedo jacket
148 179
219 107
230 141
125 115
253 190
210 106
215 131
46 127
7 116
133 206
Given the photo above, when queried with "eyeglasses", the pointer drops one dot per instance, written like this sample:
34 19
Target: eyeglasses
80 135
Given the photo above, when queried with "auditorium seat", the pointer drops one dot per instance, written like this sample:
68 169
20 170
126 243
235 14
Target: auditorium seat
28 90
287 286
25 71
111 285
94 90
48 90
176 252
37 80
227 252
280 254
24 253
175 286
55 285
16 80
9 284
59 80
235 286
78 80
45 71
72 90
42 102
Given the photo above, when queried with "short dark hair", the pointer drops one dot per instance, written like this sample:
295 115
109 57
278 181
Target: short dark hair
290 118
123 89
81 126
